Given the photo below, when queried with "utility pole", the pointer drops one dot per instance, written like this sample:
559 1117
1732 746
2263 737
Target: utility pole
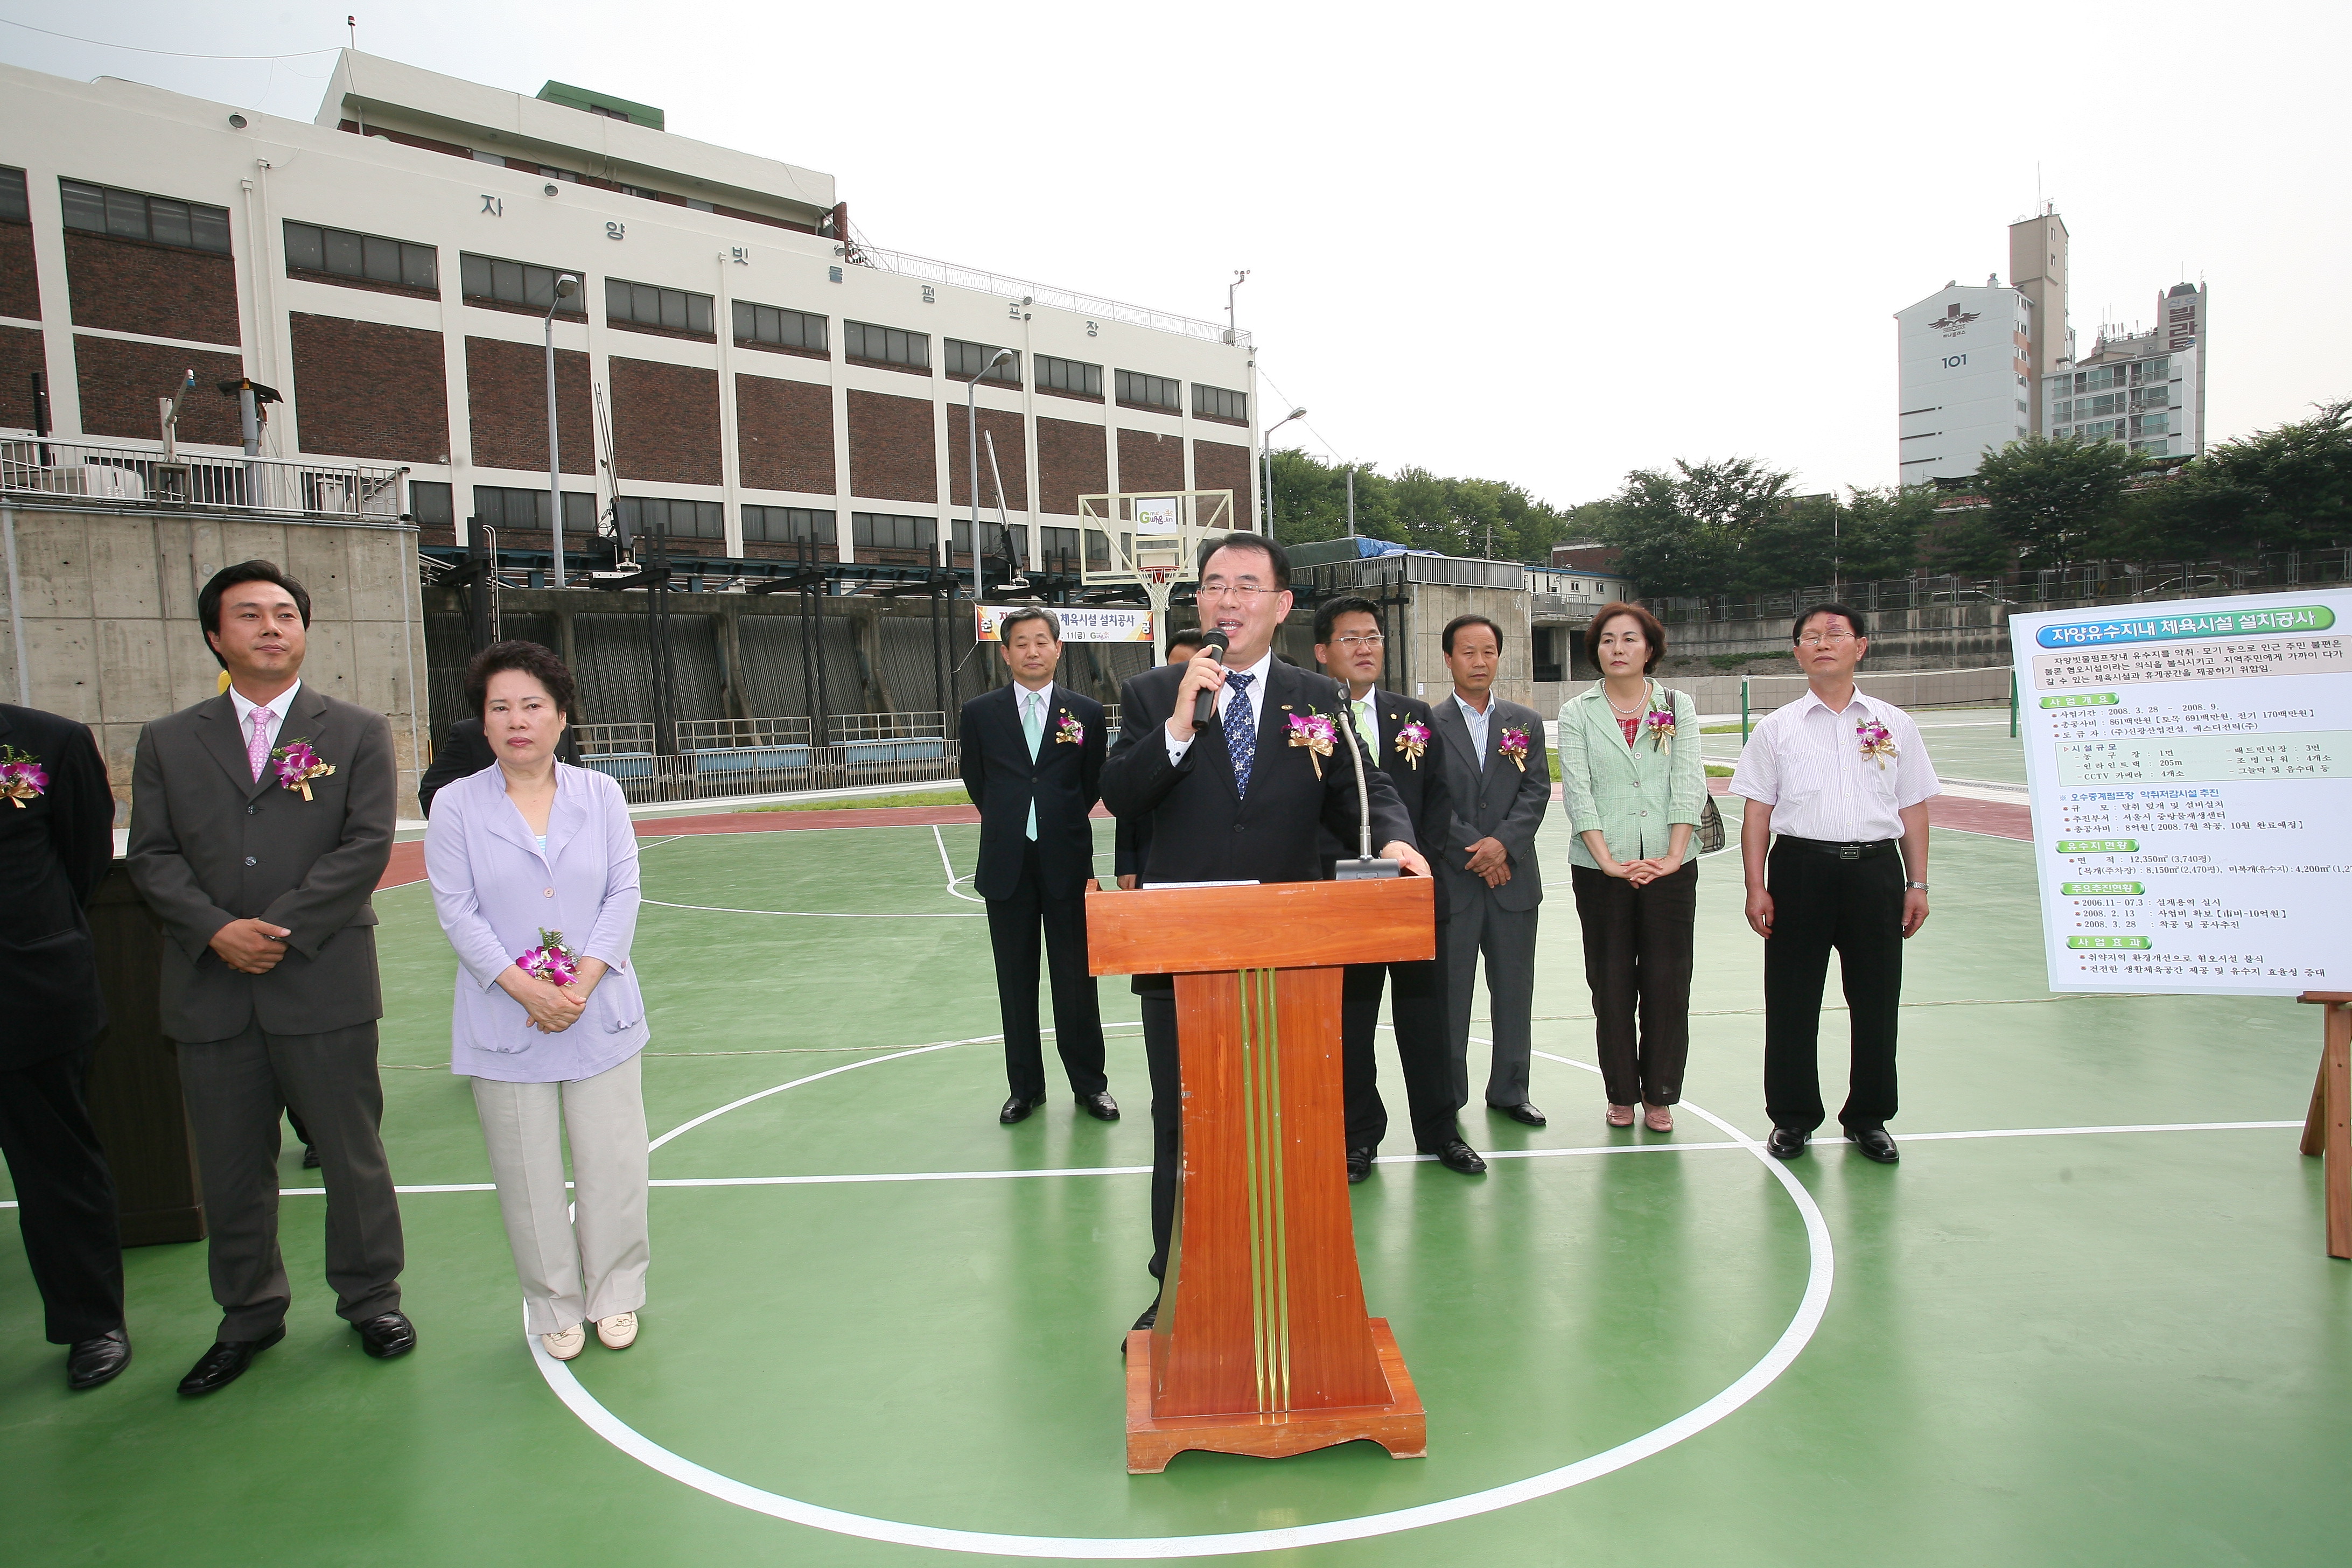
1351 500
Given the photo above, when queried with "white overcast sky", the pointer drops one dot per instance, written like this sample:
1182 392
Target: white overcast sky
1540 243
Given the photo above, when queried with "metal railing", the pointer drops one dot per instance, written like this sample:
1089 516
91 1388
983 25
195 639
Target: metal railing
987 282
844 728
86 470
718 758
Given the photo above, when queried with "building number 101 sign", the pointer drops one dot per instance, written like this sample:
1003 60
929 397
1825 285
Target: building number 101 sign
2189 764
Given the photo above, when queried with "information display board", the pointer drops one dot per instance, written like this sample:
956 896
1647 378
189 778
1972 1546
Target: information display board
1080 623
2188 762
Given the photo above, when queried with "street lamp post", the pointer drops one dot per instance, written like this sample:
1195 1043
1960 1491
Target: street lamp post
1265 442
971 450
566 286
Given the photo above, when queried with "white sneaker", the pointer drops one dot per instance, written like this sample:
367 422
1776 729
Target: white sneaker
568 1344
618 1332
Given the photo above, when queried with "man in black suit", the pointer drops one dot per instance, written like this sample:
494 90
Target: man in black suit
261 821
466 752
1033 757
1395 729
57 838
1131 840
1233 801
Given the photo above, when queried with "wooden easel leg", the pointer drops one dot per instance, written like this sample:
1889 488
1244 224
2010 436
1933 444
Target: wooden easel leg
2335 1079
2315 1123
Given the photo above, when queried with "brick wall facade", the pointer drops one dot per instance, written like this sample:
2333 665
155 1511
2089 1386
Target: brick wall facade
20 286
506 401
1072 461
1148 461
1004 428
120 381
666 422
1221 466
363 389
893 455
162 291
21 354
783 432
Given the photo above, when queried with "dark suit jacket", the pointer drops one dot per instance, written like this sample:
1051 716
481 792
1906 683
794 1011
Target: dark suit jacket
1131 847
1420 784
1200 830
1063 780
54 851
465 752
210 844
1499 801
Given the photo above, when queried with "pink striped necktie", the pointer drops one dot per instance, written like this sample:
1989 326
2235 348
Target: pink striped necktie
257 750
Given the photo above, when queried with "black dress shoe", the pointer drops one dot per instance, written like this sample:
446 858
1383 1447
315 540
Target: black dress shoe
1150 1316
1456 1155
89 1362
1360 1165
1018 1109
1101 1107
309 1158
226 1361
1786 1143
1521 1112
388 1336
1875 1144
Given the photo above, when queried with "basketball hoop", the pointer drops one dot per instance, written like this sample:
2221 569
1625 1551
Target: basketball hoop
1159 576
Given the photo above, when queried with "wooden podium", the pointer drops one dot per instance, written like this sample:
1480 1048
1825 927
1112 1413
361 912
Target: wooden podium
2327 1130
1262 1345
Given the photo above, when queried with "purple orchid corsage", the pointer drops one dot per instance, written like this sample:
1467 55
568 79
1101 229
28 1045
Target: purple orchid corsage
1070 732
1412 740
1878 742
298 764
22 777
550 961
1661 727
1314 731
1514 745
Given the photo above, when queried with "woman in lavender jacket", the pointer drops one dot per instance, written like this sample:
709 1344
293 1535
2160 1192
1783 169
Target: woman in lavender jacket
534 870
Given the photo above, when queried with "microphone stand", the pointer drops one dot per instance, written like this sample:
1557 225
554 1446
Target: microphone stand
1364 868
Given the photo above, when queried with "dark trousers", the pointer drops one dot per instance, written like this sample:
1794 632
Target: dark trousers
1167 1118
1637 960
1422 1052
65 1196
1014 928
1506 938
237 1089
1820 902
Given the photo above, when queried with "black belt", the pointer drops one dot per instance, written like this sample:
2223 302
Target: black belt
1842 851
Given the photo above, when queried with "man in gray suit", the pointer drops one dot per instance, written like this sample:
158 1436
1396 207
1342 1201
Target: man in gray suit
1498 781
261 820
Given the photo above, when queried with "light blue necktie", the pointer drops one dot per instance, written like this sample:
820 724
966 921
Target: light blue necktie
1033 725
1241 731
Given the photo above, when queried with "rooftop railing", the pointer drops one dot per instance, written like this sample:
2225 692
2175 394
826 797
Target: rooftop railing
88 470
1070 299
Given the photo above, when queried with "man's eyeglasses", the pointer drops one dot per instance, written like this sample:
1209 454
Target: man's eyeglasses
1824 640
1217 587
1354 640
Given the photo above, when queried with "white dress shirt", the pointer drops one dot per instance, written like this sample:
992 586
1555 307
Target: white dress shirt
1477 722
1805 762
278 705
1176 749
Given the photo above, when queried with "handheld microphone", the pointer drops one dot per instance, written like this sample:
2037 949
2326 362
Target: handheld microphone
1363 868
1204 706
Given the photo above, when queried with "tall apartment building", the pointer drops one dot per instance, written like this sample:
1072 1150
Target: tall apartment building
1982 367
767 383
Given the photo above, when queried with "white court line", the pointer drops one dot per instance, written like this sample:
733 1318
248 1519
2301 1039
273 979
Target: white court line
941 839
825 914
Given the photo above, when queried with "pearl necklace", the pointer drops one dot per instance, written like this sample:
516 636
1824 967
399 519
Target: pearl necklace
1639 704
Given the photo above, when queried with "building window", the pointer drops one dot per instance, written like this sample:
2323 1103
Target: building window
609 113
1136 390
639 516
524 511
881 531
886 345
516 283
1058 548
129 214
1216 402
785 329
13 205
965 361
786 525
344 253
1073 376
644 305
995 537
432 504
2150 424
2152 369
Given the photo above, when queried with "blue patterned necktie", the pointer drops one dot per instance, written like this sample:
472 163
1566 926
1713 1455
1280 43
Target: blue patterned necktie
1241 731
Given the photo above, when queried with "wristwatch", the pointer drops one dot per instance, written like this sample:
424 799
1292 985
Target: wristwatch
1921 886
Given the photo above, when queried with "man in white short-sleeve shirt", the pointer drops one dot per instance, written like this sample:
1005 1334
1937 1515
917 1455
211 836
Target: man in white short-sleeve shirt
1843 780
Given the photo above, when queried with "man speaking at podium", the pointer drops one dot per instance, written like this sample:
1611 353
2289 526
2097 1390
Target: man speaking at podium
1232 801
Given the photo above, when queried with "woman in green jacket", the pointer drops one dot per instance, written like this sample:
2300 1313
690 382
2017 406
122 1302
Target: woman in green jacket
1635 785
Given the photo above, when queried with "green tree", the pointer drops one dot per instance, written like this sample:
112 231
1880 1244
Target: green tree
2285 488
1705 528
2057 500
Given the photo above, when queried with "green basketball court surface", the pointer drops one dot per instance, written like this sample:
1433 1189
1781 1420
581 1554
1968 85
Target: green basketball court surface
2088 1320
